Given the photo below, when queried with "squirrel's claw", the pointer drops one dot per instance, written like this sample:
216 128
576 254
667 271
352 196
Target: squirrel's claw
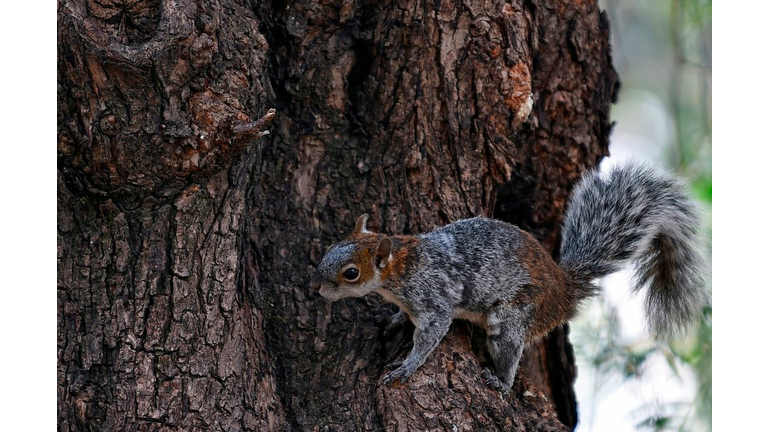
394 364
493 381
401 373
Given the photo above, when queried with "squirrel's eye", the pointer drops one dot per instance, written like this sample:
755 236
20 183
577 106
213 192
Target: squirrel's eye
351 274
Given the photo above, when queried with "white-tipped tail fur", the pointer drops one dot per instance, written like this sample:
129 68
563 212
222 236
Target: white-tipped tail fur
636 214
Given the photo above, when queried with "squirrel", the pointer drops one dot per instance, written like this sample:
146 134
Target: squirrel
497 276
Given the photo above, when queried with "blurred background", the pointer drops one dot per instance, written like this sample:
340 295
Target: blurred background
626 381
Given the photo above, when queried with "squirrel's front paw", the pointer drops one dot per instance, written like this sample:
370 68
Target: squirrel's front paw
494 382
394 364
401 373
394 322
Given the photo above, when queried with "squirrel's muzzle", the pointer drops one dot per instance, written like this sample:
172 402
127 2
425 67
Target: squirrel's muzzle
316 281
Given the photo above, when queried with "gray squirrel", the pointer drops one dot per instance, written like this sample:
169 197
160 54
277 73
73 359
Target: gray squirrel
499 277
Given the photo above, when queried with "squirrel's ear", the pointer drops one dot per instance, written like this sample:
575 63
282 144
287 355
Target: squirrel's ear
360 225
382 252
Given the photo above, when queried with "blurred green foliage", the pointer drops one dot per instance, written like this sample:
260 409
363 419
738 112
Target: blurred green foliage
663 48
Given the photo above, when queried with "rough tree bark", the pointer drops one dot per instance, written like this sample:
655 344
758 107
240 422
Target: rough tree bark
185 241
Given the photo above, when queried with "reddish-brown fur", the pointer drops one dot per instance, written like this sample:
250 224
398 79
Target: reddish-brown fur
551 291
365 249
365 245
402 251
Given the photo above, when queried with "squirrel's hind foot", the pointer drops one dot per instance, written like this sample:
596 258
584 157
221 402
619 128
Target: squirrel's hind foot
494 382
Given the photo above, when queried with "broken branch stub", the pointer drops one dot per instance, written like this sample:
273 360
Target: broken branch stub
250 129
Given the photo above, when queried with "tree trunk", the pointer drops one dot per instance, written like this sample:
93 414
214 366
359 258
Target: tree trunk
186 241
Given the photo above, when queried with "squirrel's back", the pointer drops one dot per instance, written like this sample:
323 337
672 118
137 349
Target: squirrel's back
477 261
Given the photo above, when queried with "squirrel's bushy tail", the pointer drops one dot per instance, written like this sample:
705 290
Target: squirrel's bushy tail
635 214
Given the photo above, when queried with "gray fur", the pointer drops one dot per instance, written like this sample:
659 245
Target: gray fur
337 257
462 262
506 341
635 214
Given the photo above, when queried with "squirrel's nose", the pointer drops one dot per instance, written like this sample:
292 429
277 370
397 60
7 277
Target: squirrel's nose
315 281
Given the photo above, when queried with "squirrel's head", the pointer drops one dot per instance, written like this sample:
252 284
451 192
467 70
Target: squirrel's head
353 267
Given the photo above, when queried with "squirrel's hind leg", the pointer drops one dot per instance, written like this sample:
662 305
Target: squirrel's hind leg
506 340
